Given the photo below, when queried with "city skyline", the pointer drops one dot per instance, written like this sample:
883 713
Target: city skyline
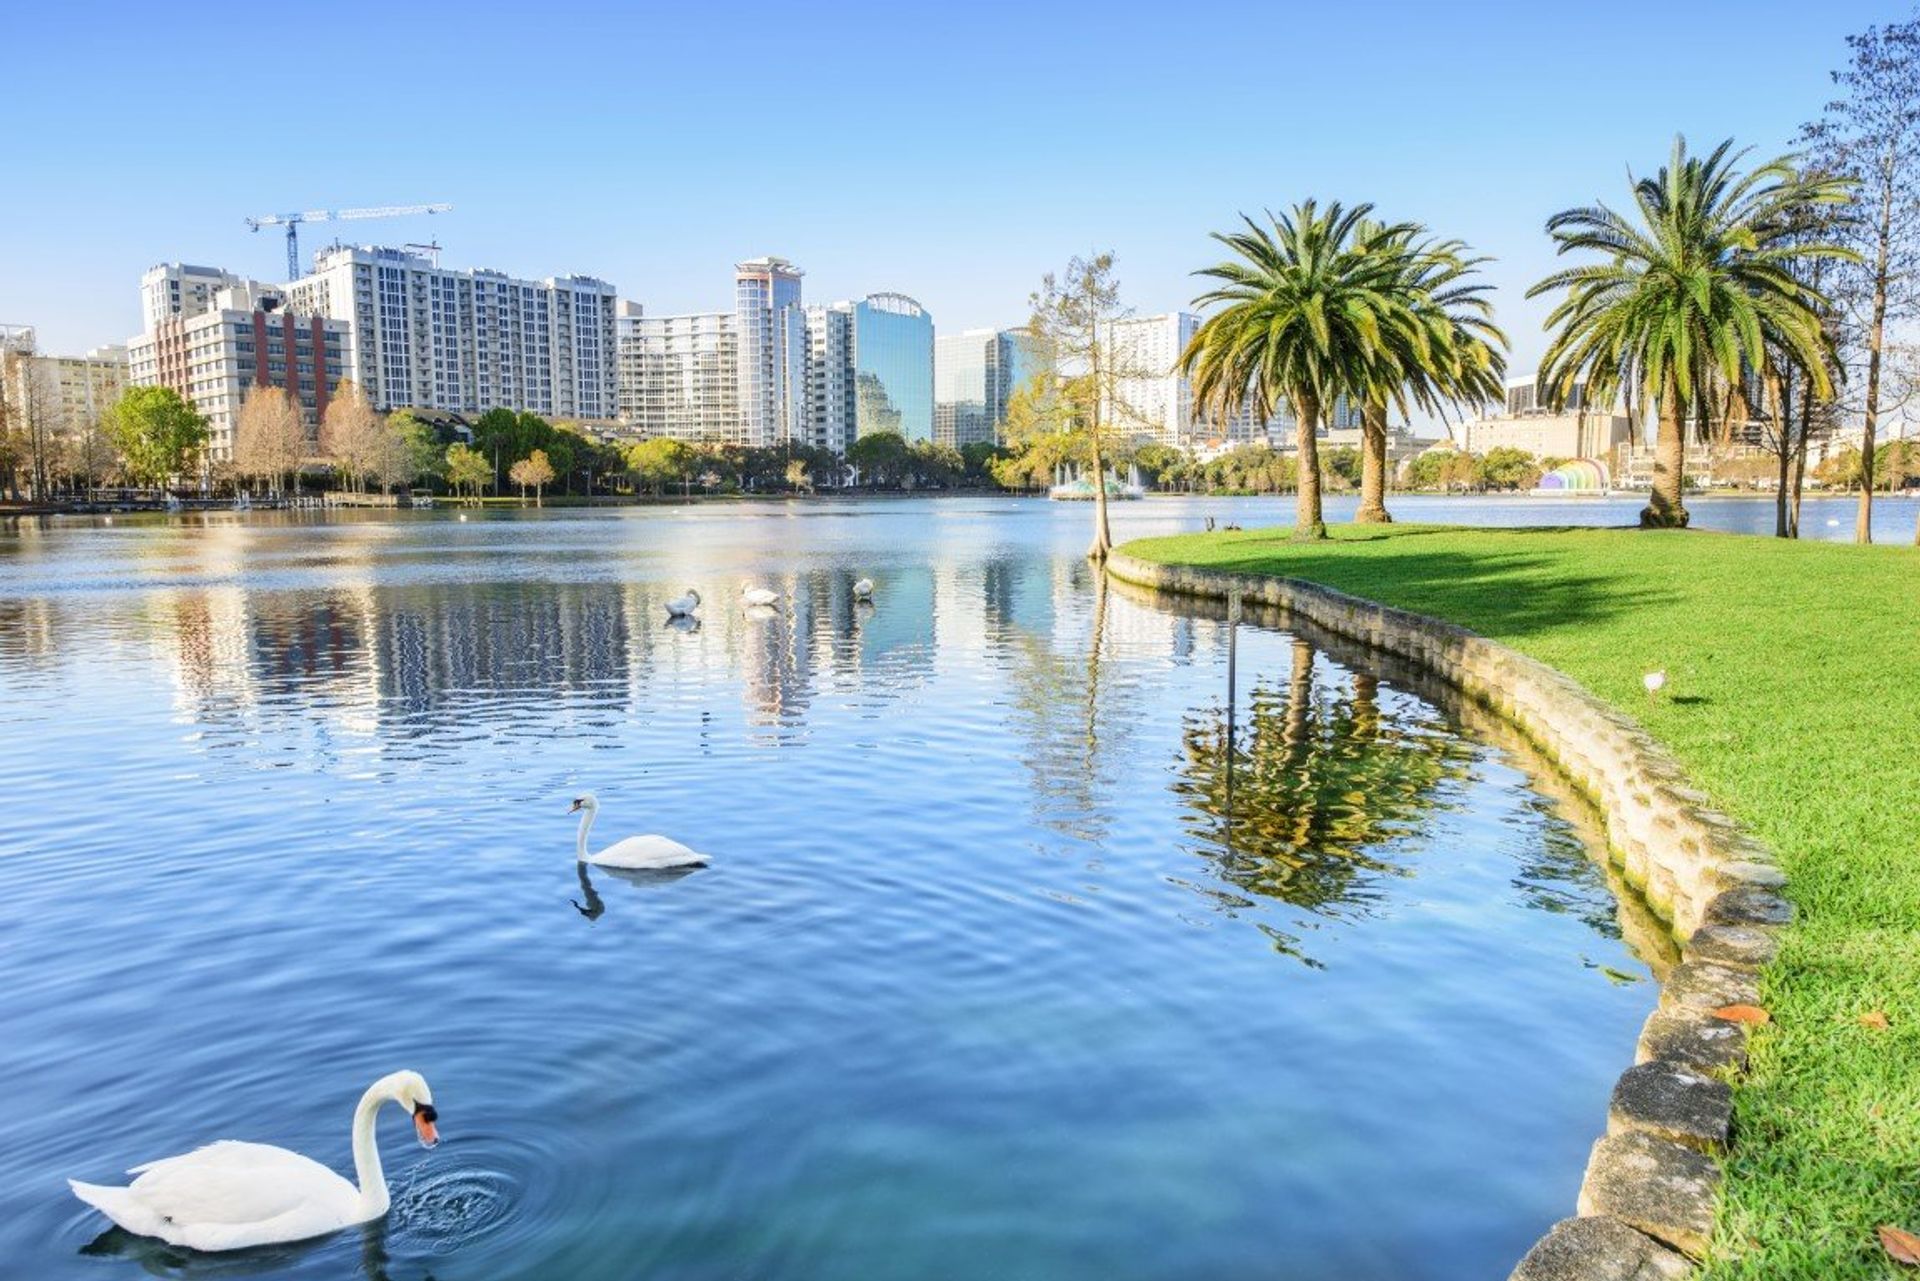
664 204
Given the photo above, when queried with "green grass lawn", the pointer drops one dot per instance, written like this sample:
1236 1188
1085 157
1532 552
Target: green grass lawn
1794 699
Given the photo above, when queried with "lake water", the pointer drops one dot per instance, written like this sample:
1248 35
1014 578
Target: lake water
1005 966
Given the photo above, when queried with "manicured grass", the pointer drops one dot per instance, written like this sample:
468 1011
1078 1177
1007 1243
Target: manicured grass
1794 700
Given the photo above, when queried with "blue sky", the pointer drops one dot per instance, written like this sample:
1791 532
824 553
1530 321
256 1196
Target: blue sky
952 152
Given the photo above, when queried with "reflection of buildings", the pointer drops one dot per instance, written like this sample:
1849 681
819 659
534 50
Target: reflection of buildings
974 372
892 357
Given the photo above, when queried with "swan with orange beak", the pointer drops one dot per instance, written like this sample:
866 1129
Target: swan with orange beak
231 1195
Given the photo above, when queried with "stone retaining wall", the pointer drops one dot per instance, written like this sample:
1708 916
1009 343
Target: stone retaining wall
1646 1206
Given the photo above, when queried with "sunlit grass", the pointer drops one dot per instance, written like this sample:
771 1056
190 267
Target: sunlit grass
1794 699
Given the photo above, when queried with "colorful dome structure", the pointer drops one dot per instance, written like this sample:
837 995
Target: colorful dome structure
1581 476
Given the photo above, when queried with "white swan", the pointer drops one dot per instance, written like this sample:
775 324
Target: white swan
683 605
752 596
635 851
229 1196
863 590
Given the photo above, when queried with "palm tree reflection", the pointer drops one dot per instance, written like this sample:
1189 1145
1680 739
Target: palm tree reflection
1302 802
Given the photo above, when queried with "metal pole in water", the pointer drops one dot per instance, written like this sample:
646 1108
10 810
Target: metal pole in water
1233 637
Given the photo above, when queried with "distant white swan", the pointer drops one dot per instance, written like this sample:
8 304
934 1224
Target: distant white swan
635 851
863 590
751 596
683 605
229 1196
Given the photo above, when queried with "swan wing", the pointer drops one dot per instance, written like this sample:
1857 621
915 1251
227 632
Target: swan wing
227 1196
649 851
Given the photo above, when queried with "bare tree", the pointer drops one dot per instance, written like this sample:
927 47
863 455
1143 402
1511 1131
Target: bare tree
31 409
1073 330
269 439
351 434
1871 134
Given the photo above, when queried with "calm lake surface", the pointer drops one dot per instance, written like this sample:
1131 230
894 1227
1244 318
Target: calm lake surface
996 973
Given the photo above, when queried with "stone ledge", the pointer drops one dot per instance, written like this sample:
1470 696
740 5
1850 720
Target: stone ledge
1599 1249
1714 886
1671 1101
1662 1189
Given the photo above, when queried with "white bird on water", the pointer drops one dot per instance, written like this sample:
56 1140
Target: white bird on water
636 852
683 605
229 1195
1655 682
753 597
863 590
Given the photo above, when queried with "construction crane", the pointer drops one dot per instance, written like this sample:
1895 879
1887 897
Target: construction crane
292 221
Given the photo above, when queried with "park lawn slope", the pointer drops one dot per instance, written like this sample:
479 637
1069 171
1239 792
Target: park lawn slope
1794 700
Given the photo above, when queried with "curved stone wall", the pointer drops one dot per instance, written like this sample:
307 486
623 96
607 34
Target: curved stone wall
1646 1206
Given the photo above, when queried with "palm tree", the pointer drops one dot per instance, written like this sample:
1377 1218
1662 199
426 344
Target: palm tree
1699 283
1309 306
1458 356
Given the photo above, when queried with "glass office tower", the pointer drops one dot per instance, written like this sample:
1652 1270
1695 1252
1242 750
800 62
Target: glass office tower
892 367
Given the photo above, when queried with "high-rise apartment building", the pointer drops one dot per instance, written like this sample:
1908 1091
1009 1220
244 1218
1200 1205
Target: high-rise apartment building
430 337
830 398
215 348
892 356
974 374
181 289
679 376
771 325
1150 399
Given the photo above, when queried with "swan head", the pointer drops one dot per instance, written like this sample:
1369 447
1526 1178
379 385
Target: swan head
410 1091
693 596
585 801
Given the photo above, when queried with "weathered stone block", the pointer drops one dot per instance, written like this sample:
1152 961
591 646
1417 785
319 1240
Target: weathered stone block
1740 874
1670 1101
1748 905
1663 1189
1747 947
1598 1249
1692 1037
1702 985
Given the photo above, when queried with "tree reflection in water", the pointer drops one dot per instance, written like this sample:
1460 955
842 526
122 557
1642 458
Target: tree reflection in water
1304 800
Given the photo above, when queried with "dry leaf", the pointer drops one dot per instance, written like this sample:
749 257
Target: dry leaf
1743 1014
1901 1246
1874 1018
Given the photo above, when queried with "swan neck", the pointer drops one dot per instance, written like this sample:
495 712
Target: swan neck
586 822
366 1154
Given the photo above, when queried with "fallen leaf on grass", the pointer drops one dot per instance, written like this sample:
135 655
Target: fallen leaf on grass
1874 1018
1901 1246
1743 1014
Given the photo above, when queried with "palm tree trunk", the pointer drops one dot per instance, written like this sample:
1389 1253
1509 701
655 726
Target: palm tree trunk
1309 522
1781 412
1373 465
1664 509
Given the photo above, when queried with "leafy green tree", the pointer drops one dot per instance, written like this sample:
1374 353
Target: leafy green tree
157 433
413 450
978 458
1309 308
881 457
1343 463
1157 462
661 462
1697 284
1506 467
467 470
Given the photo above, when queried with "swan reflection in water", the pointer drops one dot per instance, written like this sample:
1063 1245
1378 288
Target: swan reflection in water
158 1259
591 905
